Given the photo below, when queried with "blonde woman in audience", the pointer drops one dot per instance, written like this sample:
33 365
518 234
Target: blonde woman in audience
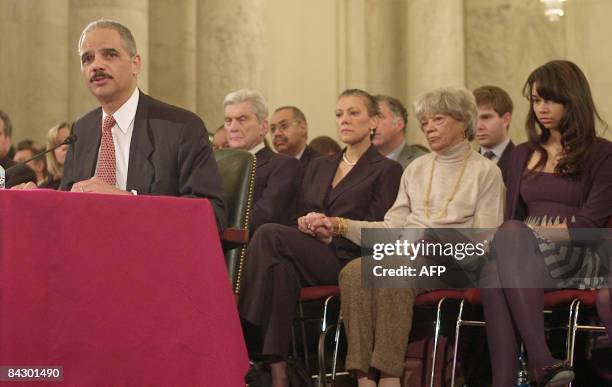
358 182
55 159
452 187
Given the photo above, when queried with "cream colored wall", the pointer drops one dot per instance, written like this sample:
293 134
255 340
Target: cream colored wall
297 52
33 65
300 59
588 32
505 42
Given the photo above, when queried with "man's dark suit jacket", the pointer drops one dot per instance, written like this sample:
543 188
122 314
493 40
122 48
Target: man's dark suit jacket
278 181
307 156
365 193
409 153
19 174
170 154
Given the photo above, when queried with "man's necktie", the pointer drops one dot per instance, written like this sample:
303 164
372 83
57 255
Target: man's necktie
107 166
489 154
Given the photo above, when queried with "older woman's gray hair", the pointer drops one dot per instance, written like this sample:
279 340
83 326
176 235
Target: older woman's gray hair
458 103
254 97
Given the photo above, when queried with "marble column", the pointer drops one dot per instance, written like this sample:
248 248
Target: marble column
351 44
434 51
230 48
587 35
385 37
133 14
515 39
172 52
33 65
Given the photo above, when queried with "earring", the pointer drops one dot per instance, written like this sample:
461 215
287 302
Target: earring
372 131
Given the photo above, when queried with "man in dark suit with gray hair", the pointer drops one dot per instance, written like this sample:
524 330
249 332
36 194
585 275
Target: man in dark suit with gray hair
277 177
390 136
134 144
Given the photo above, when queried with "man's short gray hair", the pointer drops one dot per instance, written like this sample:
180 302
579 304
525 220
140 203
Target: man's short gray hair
397 108
126 35
458 103
254 97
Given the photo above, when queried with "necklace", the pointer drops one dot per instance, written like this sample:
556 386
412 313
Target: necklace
346 160
452 194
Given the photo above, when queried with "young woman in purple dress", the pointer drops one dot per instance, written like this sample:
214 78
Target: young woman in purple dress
559 184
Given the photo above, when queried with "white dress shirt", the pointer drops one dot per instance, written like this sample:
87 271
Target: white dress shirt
497 150
257 148
394 154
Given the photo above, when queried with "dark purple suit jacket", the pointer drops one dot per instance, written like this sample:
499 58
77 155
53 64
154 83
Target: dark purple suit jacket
365 193
278 181
504 161
308 155
596 181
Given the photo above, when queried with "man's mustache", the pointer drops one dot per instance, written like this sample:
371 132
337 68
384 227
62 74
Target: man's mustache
98 74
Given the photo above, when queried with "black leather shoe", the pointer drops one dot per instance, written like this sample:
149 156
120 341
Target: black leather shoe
556 375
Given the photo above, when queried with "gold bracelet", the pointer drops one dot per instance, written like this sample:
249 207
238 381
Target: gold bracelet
341 228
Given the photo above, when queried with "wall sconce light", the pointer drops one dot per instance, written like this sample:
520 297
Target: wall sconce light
553 9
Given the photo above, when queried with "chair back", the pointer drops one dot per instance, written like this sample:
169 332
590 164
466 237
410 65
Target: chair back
237 169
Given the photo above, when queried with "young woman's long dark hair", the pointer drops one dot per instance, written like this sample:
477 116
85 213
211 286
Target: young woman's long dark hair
563 82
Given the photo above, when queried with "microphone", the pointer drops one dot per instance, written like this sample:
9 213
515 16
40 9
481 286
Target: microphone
68 141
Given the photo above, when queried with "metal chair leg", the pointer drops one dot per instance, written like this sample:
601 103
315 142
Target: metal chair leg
336 342
324 315
575 305
574 329
436 338
457 331
304 342
570 325
322 376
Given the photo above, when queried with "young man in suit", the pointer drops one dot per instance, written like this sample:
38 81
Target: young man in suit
134 144
494 117
277 177
390 136
289 131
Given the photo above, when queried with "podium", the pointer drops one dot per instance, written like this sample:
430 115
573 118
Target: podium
117 290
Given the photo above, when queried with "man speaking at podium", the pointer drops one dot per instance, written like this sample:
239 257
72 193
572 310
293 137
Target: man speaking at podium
133 144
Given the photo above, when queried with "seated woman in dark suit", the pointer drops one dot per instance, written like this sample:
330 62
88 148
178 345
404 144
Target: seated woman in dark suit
559 185
358 183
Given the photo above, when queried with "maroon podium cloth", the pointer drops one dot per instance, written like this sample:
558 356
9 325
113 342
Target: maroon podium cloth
118 290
